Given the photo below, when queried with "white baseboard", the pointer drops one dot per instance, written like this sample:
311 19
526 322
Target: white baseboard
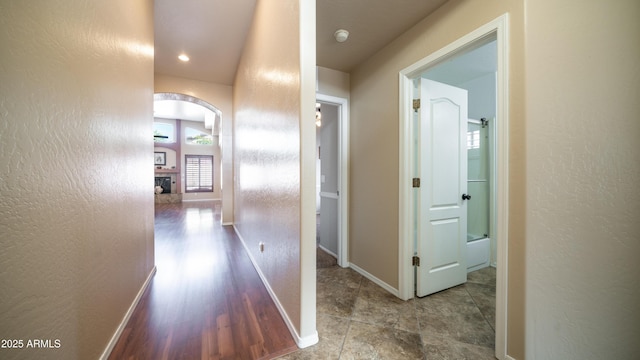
379 282
127 316
198 200
307 341
301 342
328 251
509 358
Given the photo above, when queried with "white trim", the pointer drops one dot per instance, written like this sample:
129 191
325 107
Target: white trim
343 175
379 282
159 96
502 184
499 27
328 251
123 323
200 200
405 211
302 342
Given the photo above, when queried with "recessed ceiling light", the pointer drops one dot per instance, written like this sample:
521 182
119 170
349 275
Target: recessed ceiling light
183 57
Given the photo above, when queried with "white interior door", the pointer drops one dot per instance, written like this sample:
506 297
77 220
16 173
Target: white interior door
442 223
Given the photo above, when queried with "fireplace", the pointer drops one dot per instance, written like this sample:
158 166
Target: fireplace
165 183
170 191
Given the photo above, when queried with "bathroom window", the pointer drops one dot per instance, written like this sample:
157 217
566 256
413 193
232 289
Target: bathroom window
473 139
199 173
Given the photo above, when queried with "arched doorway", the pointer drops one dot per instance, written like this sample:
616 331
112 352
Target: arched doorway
176 110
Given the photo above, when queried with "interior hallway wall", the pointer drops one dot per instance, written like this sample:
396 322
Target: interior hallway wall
333 82
274 156
374 163
583 170
76 160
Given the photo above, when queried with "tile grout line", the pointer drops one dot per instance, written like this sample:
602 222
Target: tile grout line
478 307
350 318
415 313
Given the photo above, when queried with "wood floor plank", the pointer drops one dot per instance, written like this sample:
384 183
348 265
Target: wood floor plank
206 300
224 336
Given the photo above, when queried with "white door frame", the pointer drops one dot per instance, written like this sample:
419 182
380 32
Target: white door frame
343 174
499 29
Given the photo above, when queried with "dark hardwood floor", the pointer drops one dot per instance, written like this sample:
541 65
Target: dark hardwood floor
206 300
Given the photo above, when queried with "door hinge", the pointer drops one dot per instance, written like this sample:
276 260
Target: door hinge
415 261
416 182
416 104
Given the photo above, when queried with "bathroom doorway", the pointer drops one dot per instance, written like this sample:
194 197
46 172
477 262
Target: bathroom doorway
496 31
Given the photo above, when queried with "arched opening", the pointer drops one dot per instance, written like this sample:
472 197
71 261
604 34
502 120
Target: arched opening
174 102
187 151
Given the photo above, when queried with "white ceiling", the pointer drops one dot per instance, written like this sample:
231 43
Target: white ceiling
213 32
179 109
466 66
372 24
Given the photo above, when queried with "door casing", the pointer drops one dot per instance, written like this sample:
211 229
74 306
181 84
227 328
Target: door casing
343 174
497 28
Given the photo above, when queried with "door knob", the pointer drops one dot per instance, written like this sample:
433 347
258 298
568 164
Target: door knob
466 197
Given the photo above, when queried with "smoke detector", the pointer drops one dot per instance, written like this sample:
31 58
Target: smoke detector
341 35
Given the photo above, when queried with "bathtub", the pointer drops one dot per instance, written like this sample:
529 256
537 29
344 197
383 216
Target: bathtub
478 254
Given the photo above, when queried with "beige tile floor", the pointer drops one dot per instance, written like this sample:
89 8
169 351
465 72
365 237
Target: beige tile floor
356 319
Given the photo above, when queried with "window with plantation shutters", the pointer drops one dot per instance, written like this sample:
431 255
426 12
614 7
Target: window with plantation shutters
199 173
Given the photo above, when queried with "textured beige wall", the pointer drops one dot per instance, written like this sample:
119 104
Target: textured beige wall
220 96
583 171
374 145
333 82
274 154
76 215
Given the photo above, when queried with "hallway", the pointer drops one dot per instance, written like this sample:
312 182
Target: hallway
199 306
206 299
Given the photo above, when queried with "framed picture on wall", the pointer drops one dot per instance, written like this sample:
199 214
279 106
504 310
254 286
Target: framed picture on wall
160 158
